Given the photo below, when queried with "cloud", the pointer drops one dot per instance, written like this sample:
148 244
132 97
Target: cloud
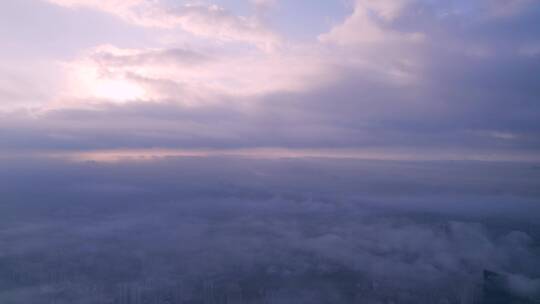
367 25
385 9
524 286
28 85
215 22
264 4
207 21
532 49
186 76
507 8
108 56
466 90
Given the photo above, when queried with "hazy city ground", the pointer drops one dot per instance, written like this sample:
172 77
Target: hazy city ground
232 230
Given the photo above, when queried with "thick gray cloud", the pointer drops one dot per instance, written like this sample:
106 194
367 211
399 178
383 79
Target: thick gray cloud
137 58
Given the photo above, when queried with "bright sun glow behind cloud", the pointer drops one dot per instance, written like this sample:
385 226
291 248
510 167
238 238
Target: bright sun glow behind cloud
89 81
117 90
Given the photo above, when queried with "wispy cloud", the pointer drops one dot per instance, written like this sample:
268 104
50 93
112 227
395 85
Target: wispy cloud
209 21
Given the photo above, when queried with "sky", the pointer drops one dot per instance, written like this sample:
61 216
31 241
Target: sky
405 79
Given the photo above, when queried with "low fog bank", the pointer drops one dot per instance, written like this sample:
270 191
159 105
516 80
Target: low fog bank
230 230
